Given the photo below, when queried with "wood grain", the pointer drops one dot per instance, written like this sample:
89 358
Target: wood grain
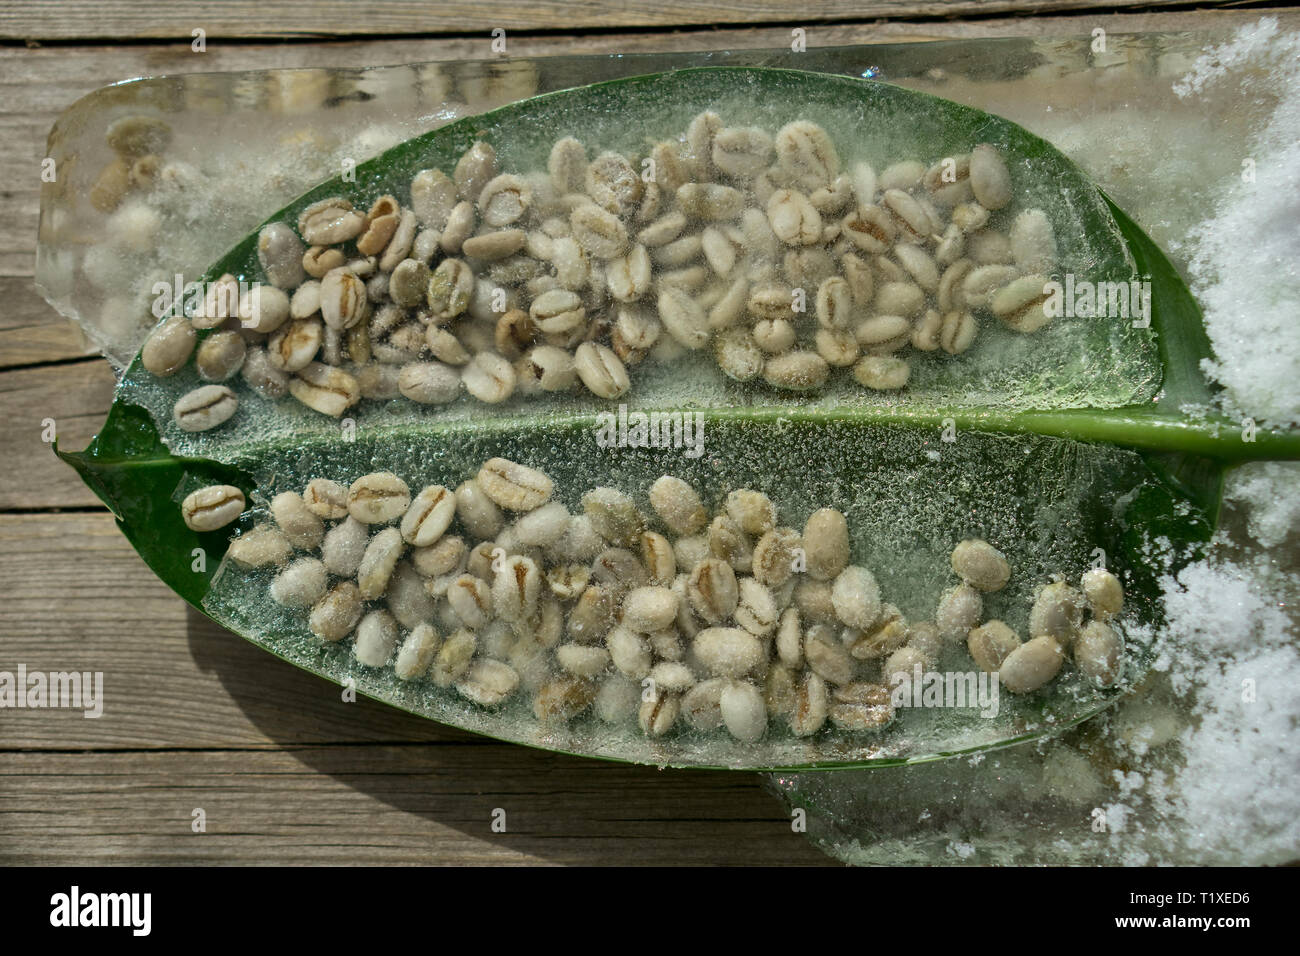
358 805
76 396
172 677
31 332
242 19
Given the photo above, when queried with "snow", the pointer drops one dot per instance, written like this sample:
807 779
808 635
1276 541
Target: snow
1244 257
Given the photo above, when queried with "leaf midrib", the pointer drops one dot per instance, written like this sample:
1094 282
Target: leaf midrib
1140 428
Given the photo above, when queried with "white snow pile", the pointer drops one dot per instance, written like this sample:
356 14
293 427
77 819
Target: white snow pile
1234 659
1245 258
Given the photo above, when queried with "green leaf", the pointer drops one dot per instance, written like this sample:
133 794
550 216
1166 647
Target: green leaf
143 484
1090 434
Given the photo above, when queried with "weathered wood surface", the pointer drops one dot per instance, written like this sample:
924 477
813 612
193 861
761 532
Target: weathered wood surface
245 19
348 804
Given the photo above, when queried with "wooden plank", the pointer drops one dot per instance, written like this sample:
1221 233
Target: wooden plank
76 396
78 597
78 19
31 331
419 804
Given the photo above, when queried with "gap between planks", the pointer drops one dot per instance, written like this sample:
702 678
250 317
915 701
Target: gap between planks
71 20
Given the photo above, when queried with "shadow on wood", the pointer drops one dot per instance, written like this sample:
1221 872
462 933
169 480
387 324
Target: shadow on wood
558 808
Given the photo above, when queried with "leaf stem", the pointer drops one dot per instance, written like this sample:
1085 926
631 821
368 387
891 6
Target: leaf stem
1139 428
1151 430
